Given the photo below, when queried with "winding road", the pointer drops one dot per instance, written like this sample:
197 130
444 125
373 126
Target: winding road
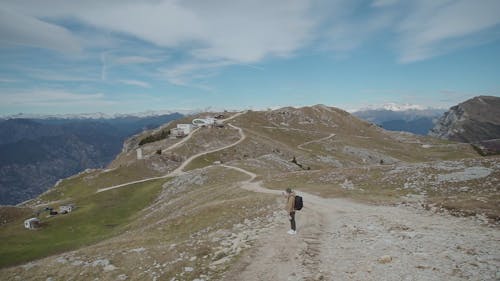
180 169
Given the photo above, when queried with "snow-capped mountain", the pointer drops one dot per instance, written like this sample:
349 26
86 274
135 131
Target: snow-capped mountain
395 107
98 115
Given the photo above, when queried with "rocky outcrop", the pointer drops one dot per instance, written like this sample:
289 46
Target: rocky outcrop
472 121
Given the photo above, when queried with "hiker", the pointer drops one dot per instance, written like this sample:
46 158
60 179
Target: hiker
290 208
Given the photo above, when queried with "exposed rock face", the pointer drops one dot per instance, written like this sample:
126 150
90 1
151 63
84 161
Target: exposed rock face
474 120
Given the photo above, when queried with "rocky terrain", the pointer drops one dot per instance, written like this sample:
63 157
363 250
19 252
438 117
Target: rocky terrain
474 120
379 205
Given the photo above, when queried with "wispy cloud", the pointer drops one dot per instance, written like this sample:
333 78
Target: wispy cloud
244 32
20 29
383 3
136 83
51 98
134 60
437 27
8 80
104 67
97 44
255 32
184 74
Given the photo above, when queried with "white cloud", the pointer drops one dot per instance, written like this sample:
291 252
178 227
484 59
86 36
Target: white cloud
184 74
135 83
241 31
437 27
203 36
8 80
134 60
346 35
18 29
49 98
383 3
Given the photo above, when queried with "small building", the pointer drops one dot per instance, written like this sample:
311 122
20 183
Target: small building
177 133
139 153
219 123
32 223
187 128
66 209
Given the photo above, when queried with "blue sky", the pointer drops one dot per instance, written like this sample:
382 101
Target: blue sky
124 56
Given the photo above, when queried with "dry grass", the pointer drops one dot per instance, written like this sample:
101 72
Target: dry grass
179 229
9 214
393 184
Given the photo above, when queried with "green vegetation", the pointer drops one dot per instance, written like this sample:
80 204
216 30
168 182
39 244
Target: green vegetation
88 183
202 161
155 137
97 216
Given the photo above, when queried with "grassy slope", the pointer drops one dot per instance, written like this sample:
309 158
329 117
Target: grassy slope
182 222
98 216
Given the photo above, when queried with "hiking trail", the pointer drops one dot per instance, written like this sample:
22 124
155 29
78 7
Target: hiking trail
339 239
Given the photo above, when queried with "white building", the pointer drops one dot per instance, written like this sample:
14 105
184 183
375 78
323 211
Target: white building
66 209
139 153
187 128
176 133
219 123
32 223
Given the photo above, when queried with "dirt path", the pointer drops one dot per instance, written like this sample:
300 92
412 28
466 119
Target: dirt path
175 145
180 169
341 240
300 146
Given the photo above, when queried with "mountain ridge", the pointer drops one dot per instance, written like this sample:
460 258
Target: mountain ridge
475 121
358 181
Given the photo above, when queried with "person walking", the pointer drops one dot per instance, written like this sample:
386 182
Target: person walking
290 208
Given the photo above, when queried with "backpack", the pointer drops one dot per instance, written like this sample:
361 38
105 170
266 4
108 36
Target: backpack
298 203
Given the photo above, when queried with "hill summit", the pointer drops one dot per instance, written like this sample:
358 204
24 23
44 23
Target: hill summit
474 120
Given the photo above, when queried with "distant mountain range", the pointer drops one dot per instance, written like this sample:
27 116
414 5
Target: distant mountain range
475 121
409 118
97 115
36 153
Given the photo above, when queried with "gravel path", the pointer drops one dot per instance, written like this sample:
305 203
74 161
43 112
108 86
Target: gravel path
180 169
341 240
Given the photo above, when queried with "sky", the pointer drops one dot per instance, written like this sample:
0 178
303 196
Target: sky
125 56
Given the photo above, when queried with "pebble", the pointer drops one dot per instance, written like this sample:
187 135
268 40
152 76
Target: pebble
103 263
384 259
109 267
